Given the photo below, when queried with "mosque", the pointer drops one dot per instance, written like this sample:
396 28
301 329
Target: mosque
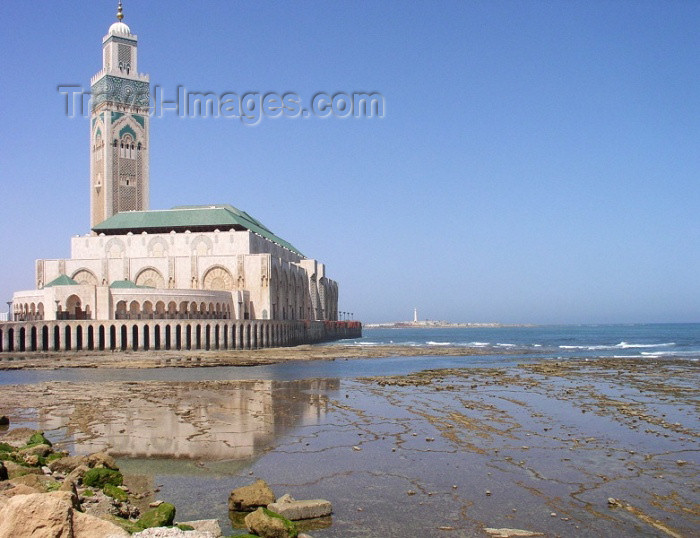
191 277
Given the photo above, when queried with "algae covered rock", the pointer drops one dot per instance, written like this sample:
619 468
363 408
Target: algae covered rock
115 492
42 449
268 524
14 469
100 476
161 516
250 497
38 439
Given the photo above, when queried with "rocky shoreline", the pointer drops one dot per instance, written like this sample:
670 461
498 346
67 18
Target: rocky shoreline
48 493
554 448
254 357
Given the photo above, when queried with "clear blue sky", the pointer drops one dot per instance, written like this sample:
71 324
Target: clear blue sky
538 162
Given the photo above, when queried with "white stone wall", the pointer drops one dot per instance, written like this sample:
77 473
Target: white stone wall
268 281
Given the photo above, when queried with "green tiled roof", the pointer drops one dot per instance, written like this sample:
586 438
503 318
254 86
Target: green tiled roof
127 284
194 218
62 280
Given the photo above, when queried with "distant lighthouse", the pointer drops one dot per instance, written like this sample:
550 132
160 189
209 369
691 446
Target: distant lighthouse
415 315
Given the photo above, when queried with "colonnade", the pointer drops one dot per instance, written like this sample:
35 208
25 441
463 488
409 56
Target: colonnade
145 335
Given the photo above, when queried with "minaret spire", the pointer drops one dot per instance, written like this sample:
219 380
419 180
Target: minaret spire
120 14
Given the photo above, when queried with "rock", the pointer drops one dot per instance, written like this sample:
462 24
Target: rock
68 497
268 524
158 517
38 482
38 438
4 420
15 469
87 526
205 525
295 510
155 504
3 472
77 474
67 464
100 476
115 493
42 450
69 485
102 459
36 515
17 438
31 459
173 532
613 503
19 489
506 533
250 497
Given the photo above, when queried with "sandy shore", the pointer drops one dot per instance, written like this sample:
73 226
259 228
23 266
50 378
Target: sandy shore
255 357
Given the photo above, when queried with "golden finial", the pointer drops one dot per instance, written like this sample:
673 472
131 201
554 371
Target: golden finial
120 15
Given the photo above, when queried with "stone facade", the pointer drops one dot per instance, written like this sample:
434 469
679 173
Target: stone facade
190 263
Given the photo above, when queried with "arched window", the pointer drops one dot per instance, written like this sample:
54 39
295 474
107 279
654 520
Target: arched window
127 148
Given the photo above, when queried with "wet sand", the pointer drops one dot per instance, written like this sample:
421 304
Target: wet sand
253 357
541 446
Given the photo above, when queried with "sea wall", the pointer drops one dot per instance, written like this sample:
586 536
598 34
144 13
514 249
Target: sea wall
168 334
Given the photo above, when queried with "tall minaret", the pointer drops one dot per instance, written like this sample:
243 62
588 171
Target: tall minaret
118 128
415 315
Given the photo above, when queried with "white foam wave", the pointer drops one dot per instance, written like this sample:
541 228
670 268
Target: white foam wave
506 345
431 343
621 345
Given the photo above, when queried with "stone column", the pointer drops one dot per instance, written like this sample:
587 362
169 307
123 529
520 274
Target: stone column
5 338
61 337
28 338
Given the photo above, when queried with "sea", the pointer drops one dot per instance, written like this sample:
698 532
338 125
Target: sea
502 346
629 340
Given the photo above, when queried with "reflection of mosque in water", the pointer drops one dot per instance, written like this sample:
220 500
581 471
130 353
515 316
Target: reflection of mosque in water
206 421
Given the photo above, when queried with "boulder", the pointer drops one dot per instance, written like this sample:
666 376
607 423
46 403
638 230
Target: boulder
42 450
102 459
37 438
15 469
38 482
171 532
295 510
4 420
17 437
77 474
250 497
51 516
36 515
116 493
66 464
19 489
99 476
161 516
268 524
87 526
3 472
205 525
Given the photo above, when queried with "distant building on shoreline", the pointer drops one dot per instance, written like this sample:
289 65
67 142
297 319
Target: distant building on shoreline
188 263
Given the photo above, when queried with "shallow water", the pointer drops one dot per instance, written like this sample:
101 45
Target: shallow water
405 460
